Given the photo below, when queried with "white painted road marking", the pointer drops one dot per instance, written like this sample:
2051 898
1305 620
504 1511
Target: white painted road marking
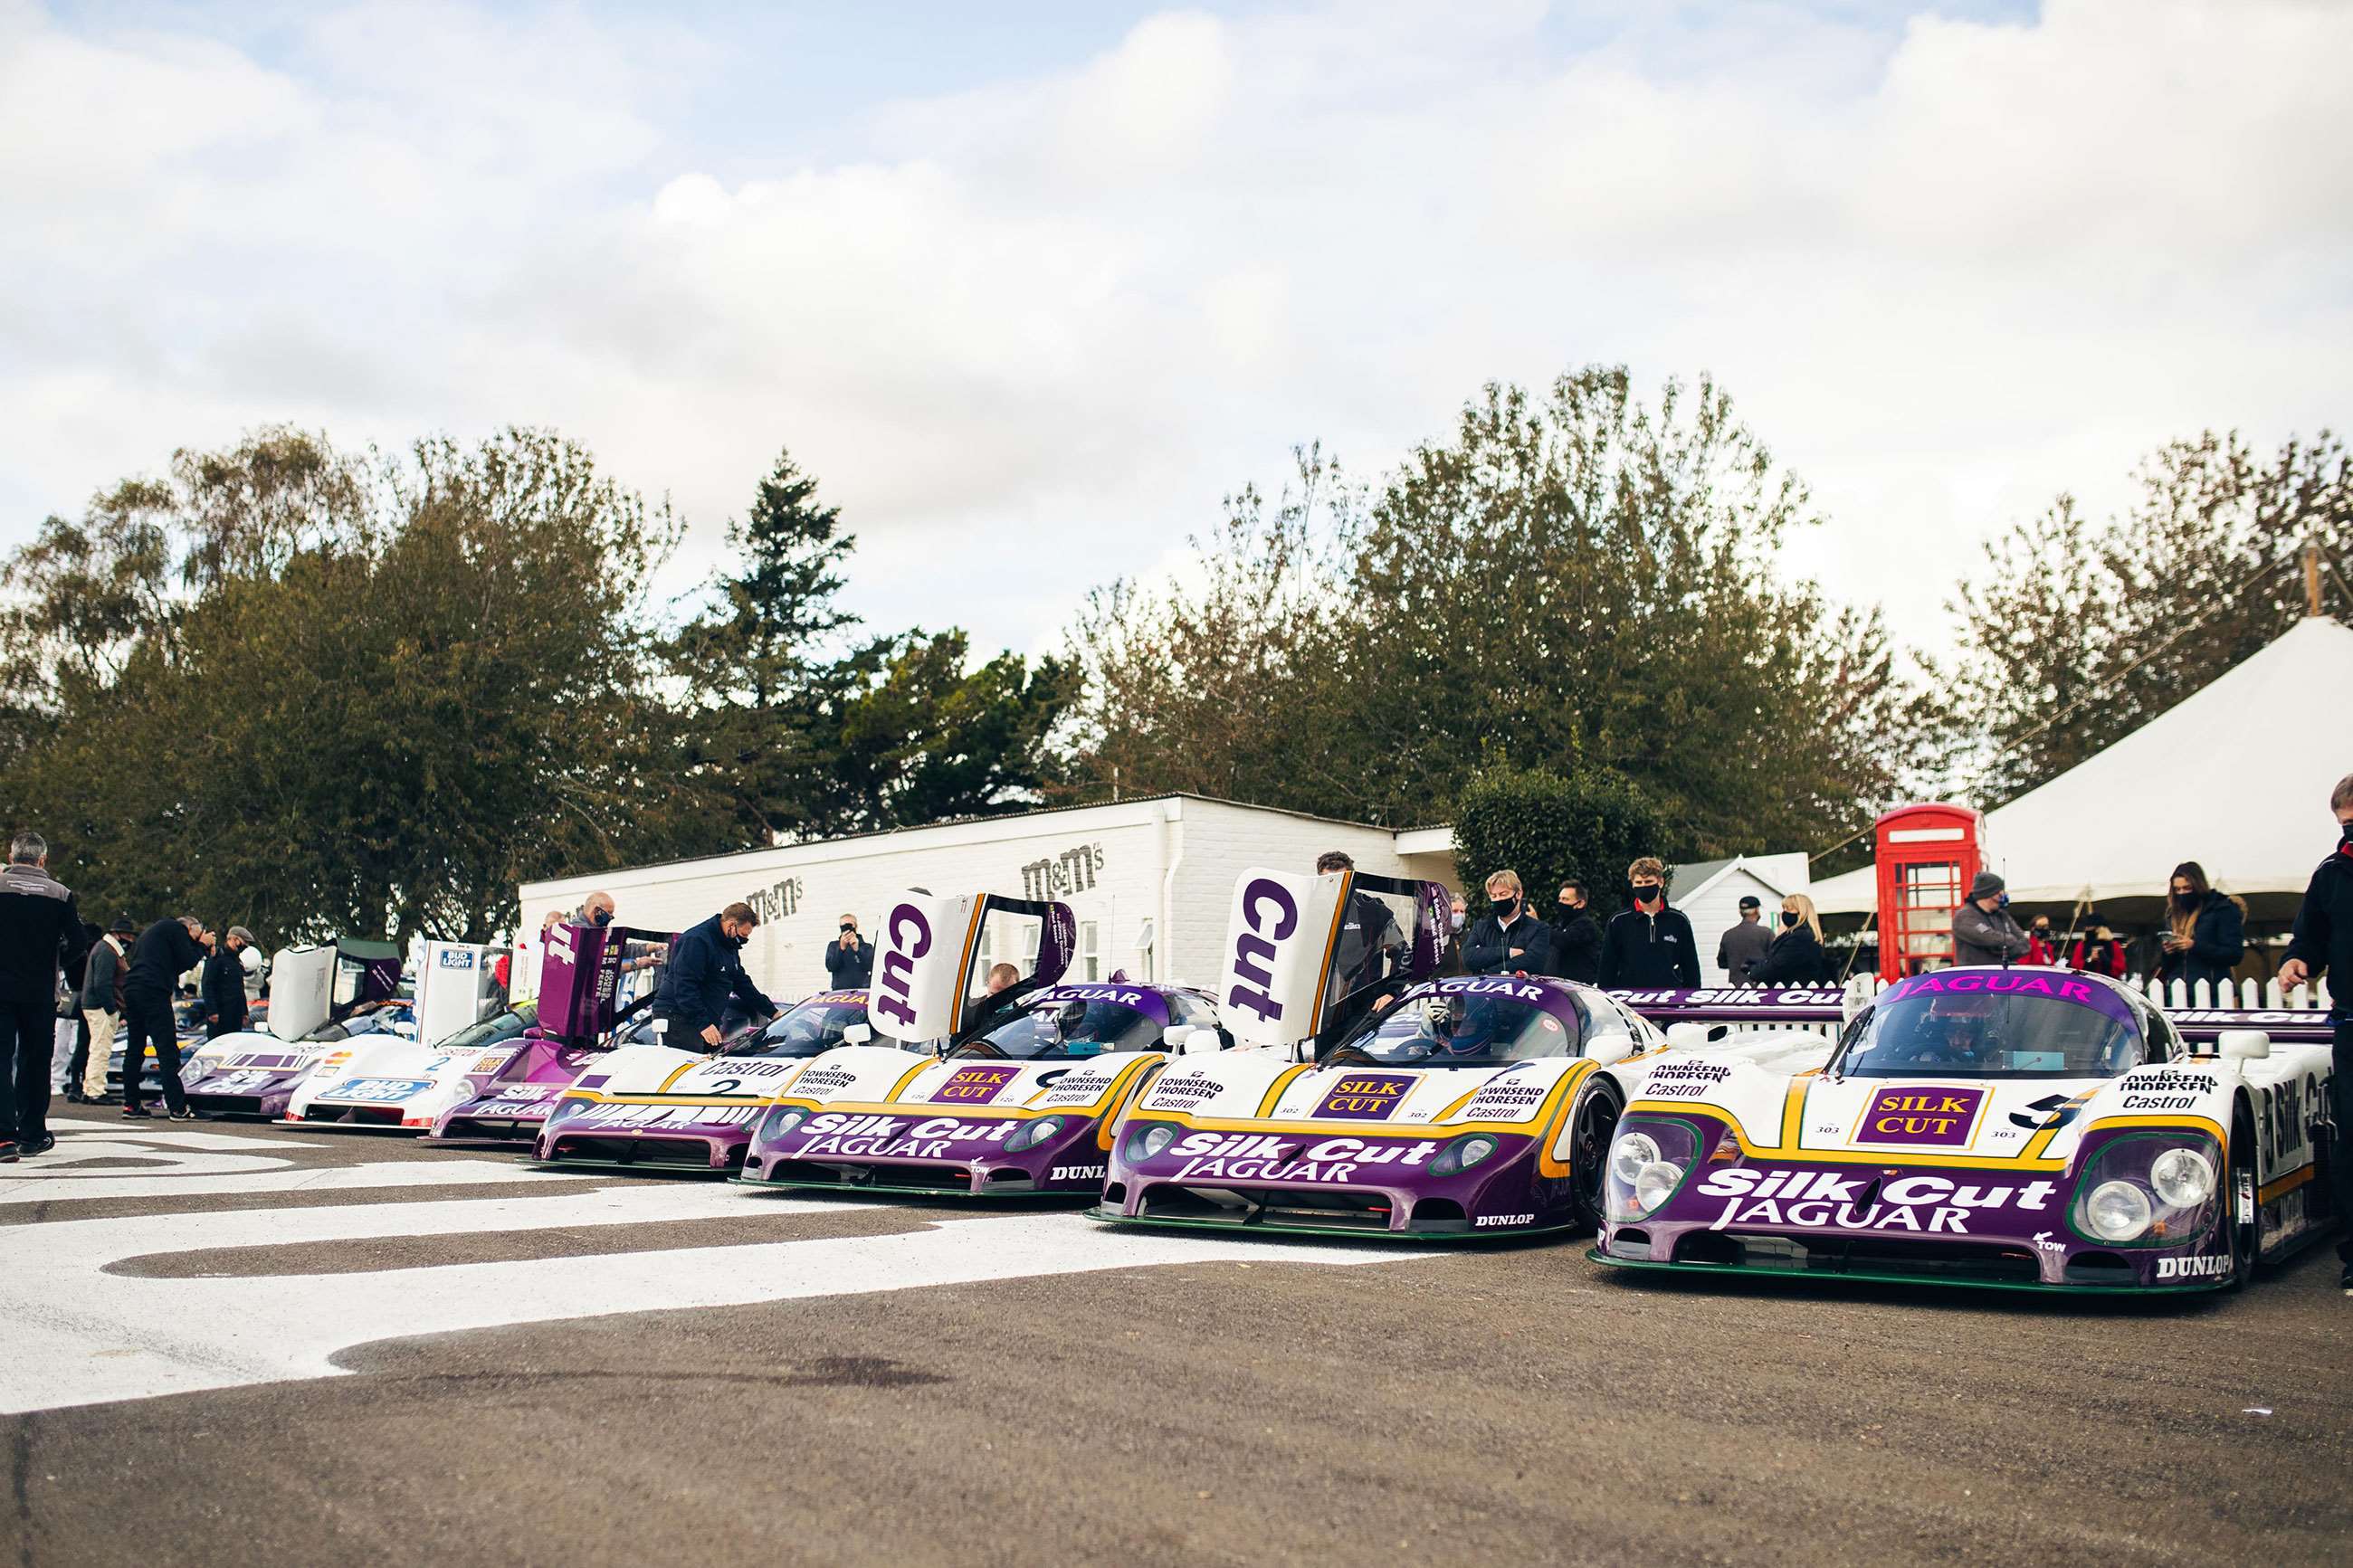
196 1164
78 1335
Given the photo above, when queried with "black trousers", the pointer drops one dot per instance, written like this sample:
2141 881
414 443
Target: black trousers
80 1051
2340 1142
148 1020
215 1028
28 1037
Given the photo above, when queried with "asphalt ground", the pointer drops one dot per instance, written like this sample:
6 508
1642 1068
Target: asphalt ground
234 1345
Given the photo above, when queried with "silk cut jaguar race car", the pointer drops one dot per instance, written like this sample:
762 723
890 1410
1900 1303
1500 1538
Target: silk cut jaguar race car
2025 1128
1462 1107
1021 1102
649 1105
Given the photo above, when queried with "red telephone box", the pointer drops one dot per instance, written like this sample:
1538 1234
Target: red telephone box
1928 856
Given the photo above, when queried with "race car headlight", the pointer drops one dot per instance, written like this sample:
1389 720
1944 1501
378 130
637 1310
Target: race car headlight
1629 1154
783 1120
1029 1134
2118 1211
2184 1178
1648 1165
1149 1139
568 1108
1462 1153
1655 1182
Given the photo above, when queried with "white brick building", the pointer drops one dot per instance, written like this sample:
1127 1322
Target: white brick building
1149 881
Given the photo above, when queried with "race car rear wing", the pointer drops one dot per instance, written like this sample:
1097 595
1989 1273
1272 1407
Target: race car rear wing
1304 954
1829 1007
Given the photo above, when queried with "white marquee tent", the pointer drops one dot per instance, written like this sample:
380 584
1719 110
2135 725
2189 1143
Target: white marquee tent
2236 777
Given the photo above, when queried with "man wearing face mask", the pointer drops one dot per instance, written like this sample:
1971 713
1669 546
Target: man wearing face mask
2323 944
1648 947
850 962
1984 930
1576 936
705 971
1509 940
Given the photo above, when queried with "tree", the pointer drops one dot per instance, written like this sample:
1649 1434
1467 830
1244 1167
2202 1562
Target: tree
752 724
1587 826
378 724
2080 633
919 738
1571 581
1222 682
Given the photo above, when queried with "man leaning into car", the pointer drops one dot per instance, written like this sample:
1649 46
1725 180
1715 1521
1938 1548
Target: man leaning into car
704 972
2323 944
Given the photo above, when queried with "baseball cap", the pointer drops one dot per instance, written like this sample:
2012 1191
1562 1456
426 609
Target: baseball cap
1748 901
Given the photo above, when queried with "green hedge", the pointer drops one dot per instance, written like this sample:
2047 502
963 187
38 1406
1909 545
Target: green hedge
1550 829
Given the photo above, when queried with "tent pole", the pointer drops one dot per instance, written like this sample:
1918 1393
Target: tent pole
2312 577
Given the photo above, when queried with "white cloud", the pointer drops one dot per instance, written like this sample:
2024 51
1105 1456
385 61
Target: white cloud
1032 331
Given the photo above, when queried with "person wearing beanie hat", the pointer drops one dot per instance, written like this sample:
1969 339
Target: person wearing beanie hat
1983 929
224 984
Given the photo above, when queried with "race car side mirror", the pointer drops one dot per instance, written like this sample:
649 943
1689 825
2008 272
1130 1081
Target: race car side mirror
1686 1037
1195 1041
857 1034
2242 1045
1609 1048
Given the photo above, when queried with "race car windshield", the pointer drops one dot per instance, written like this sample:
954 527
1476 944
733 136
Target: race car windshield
1459 1031
493 1030
1984 1035
805 1030
1066 1029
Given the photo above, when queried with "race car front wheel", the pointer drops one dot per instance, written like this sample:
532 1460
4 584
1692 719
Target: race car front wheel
1592 1123
2242 1218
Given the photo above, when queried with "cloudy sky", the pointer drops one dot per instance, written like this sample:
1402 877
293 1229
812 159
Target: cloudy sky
1029 285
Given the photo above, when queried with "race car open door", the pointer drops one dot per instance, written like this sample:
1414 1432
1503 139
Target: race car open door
301 989
1306 956
932 968
590 977
453 989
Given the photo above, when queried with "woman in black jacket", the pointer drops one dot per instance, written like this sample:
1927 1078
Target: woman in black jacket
1796 957
2205 933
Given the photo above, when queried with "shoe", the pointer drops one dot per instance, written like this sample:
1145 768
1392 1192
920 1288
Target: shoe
183 1114
75 1097
8 1153
136 1114
2345 1280
29 1147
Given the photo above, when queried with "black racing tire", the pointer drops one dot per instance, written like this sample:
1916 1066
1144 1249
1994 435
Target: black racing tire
1592 1123
2247 1240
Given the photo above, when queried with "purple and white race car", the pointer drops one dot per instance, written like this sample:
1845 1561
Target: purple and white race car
2025 1128
645 1105
1021 1102
1456 1108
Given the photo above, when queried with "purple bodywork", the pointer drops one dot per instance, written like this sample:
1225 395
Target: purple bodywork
512 1085
955 1139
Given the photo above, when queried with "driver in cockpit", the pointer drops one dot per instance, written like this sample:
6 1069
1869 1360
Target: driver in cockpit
1949 1034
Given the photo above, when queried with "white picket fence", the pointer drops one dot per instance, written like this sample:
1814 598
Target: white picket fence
2240 995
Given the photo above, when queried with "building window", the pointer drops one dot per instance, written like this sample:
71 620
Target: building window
1090 950
1144 952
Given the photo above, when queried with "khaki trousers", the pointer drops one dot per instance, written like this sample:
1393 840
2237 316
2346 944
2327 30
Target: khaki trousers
103 1026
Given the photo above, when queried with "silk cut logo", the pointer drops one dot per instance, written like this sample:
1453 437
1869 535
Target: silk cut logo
1917 1114
975 1086
1365 1097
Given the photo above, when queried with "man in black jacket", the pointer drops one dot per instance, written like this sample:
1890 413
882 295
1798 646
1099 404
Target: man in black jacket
2323 944
40 934
1648 947
703 973
1577 936
224 984
164 952
1508 940
850 962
